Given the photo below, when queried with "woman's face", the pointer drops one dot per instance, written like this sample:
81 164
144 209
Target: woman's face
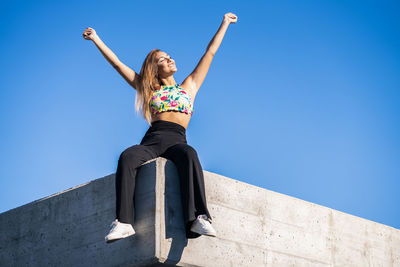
166 65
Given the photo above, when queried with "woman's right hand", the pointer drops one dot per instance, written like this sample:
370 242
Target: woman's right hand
89 34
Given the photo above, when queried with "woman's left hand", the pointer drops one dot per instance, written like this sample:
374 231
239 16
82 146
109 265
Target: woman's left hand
230 18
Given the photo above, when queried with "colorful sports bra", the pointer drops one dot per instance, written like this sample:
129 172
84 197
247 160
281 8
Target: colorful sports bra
171 97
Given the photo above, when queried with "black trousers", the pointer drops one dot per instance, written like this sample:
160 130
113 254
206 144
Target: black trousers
166 139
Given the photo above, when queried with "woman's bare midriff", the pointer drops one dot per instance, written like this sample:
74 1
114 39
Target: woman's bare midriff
173 116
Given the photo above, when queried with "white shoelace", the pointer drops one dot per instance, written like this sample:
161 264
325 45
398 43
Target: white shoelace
113 225
203 216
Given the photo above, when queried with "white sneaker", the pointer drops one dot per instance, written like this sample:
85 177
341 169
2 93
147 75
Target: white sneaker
119 230
203 226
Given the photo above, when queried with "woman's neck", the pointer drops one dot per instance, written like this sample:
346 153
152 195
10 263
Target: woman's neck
170 81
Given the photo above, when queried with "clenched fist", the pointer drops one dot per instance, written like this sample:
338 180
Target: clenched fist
89 34
230 18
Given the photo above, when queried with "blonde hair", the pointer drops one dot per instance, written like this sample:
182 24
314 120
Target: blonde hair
148 83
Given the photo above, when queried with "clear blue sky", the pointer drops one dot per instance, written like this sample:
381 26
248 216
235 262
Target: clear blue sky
302 97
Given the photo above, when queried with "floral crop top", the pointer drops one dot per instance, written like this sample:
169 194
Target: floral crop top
171 97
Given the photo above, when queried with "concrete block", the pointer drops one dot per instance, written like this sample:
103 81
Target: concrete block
255 227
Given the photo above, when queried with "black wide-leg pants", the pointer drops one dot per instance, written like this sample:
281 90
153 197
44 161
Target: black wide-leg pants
166 139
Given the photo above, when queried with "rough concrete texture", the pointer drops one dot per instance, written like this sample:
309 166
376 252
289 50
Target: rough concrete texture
255 227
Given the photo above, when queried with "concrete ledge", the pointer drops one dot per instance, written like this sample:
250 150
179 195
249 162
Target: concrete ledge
255 227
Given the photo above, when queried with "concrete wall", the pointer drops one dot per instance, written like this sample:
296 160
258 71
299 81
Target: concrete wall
255 227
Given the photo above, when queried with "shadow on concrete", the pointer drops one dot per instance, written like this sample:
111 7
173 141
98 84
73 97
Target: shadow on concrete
174 222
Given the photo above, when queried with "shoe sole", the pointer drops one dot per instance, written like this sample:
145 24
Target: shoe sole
202 233
207 234
118 238
212 235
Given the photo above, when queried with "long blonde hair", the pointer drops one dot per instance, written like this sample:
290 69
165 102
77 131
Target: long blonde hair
148 83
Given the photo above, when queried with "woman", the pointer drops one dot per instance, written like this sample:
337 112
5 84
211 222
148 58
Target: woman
167 107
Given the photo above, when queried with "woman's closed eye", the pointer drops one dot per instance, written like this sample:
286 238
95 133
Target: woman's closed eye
162 59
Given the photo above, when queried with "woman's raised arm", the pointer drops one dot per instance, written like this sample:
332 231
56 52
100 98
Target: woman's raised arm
127 73
196 78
